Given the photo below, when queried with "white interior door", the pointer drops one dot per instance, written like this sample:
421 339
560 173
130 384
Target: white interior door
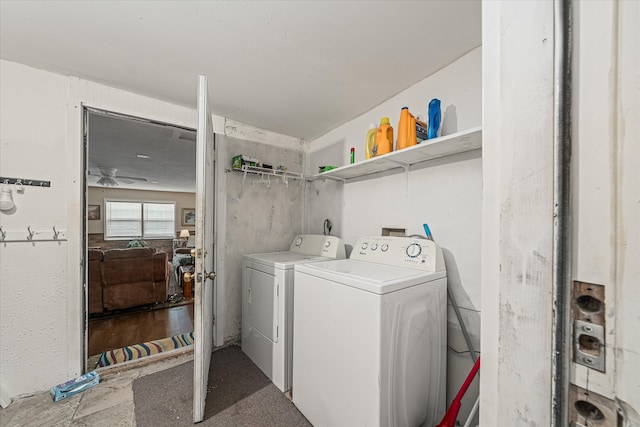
205 277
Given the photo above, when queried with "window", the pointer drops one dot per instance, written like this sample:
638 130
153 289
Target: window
126 220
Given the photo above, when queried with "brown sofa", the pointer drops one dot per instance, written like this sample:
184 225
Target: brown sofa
124 278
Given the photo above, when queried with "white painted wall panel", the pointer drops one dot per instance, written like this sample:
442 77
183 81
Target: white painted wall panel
515 382
37 348
257 218
628 241
607 187
594 174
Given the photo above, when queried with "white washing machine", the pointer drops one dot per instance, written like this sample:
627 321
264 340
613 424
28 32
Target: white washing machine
267 302
370 336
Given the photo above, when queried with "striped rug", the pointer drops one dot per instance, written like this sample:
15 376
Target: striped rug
137 351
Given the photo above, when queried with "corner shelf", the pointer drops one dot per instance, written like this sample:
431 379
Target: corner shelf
444 146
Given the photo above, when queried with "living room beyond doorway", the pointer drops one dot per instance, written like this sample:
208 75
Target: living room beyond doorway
140 178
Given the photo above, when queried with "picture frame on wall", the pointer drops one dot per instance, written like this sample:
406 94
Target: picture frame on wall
93 212
188 216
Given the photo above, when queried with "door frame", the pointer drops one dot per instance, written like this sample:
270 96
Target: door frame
116 111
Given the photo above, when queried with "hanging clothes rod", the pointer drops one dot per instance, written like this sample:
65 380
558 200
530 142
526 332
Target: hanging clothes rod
24 181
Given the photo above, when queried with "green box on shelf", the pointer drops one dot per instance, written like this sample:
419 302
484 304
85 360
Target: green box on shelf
236 162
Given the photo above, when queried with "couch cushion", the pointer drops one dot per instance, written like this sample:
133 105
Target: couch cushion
95 281
95 254
129 253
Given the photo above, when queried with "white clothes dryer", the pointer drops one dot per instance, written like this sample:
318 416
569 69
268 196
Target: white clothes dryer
267 302
370 336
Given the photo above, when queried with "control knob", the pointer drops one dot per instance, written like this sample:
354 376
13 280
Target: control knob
413 250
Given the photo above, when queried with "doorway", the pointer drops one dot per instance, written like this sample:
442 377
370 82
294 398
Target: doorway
139 196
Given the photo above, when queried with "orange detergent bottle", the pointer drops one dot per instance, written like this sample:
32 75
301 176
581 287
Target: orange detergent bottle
384 137
406 130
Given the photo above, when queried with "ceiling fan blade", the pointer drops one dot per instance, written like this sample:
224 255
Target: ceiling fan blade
131 178
124 180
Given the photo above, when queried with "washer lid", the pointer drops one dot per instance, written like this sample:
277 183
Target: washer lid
283 260
368 276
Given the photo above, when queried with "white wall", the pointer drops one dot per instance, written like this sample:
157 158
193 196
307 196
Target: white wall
41 319
97 196
515 382
607 187
39 325
258 218
445 193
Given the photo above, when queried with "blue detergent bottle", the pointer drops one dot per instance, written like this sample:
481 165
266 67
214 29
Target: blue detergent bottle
434 118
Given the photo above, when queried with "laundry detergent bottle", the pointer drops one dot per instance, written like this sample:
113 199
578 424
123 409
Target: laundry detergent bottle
384 137
370 144
406 130
434 118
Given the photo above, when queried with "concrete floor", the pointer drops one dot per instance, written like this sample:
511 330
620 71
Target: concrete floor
108 404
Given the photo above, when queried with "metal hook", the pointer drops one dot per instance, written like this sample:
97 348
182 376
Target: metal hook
56 233
19 190
31 233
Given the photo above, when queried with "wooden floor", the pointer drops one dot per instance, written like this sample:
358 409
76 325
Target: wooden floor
136 328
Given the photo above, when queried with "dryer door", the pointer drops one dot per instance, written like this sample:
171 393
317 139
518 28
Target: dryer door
262 303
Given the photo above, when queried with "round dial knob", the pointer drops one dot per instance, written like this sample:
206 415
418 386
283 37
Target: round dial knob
327 244
413 250
384 247
374 246
298 241
364 246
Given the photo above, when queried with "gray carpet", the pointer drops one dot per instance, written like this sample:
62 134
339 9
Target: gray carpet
239 394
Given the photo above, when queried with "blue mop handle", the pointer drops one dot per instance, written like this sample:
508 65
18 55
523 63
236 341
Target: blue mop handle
427 232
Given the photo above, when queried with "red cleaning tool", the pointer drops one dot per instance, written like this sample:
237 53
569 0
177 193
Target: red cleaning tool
450 417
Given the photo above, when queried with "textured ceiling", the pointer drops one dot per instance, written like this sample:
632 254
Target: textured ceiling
164 156
297 68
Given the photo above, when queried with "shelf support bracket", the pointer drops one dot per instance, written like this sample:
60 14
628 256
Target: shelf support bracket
406 179
244 178
406 167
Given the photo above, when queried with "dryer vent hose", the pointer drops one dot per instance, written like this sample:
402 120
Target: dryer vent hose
327 227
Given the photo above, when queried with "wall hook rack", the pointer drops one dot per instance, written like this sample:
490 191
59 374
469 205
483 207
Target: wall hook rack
24 181
33 235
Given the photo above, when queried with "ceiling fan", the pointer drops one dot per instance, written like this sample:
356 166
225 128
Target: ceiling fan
108 178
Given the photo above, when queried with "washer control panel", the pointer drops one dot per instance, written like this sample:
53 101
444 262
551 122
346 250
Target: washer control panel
420 254
318 245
